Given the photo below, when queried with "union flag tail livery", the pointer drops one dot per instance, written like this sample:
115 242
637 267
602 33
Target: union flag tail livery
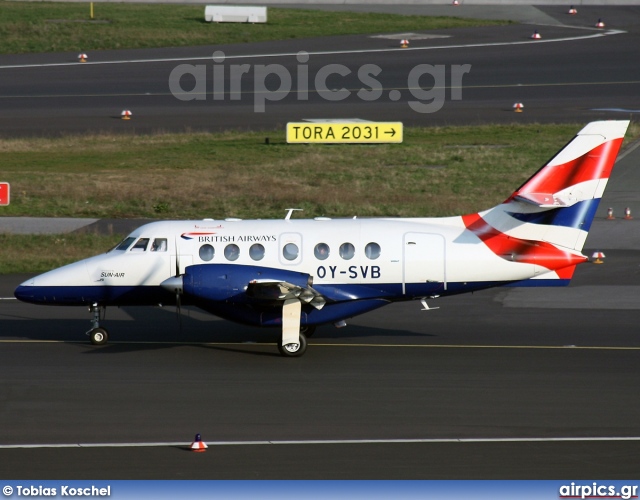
547 219
295 274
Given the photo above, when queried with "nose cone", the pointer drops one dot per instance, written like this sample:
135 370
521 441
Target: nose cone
173 284
25 291
66 285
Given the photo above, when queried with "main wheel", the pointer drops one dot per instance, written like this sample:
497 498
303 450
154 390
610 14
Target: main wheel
294 350
98 336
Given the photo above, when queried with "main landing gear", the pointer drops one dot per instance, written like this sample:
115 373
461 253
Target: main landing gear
97 335
296 349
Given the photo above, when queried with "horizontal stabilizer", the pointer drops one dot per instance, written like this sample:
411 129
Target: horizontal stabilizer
547 200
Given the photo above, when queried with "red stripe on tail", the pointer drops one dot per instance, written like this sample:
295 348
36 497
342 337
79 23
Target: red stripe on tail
518 250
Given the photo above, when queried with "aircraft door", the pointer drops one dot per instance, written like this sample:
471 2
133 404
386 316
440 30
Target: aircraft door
423 261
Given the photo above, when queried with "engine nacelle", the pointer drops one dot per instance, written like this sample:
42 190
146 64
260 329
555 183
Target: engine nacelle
223 282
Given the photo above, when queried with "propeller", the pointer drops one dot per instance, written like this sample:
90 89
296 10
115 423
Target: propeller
178 289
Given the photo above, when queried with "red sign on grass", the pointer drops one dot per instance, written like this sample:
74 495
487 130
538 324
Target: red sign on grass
4 193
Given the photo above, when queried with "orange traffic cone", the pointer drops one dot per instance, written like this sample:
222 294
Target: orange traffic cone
198 444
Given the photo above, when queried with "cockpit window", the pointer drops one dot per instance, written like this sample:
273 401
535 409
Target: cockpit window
141 245
126 243
159 245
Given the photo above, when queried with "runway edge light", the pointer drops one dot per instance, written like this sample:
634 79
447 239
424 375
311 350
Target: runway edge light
82 57
198 444
597 257
518 107
126 114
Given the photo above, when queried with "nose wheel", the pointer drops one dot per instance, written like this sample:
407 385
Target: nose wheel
97 335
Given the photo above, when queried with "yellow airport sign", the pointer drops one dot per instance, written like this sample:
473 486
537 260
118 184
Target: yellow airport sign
344 132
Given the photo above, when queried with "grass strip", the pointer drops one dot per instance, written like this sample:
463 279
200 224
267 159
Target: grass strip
60 27
435 172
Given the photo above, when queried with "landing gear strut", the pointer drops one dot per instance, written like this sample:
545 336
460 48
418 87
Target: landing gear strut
97 335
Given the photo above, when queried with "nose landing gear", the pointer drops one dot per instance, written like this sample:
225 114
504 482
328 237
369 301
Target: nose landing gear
97 335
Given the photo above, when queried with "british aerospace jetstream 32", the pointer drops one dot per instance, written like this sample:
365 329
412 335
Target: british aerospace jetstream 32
296 274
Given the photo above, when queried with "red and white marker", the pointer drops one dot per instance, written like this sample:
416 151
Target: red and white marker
573 11
627 213
518 107
198 444
4 193
404 43
599 24
82 57
610 214
536 35
597 257
126 114
455 3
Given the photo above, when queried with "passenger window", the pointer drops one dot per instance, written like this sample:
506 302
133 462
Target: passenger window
321 251
290 251
232 252
207 252
256 252
347 251
141 245
372 251
126 243
159 245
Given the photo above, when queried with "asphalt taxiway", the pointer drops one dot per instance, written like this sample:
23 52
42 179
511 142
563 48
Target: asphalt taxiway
505 383
576 72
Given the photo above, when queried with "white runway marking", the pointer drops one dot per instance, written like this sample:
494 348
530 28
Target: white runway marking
320 53
335 441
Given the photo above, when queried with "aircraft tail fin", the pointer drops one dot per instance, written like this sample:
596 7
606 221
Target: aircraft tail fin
546 220
564 194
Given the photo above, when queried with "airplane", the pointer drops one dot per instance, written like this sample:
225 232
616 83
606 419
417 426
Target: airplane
295 274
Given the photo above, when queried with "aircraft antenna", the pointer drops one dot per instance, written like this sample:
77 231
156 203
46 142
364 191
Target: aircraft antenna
290 212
